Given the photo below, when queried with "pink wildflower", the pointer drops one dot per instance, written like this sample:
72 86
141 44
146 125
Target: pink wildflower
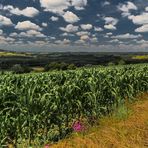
77 126
47 146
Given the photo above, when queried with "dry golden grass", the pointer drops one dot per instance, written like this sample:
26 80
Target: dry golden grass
38 69
130 132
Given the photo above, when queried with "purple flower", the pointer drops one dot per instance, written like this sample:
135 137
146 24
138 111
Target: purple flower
77 126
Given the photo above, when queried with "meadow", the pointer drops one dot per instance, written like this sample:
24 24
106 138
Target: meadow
140 57
42 107
11 54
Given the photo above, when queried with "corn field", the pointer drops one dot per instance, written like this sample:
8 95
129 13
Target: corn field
43 106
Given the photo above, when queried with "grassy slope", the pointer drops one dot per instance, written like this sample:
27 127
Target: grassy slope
140 57
128 129
14 54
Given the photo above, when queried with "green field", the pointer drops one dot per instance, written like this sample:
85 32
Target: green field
42 107
140 57
11 54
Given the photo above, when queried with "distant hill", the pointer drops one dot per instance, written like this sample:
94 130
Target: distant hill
8 53
1 50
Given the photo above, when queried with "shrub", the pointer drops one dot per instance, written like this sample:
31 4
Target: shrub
18 69
59 66
52 66
71 67
63 66
121 62
111 64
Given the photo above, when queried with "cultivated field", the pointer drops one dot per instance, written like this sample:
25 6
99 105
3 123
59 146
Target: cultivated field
140 57
11 54
43 107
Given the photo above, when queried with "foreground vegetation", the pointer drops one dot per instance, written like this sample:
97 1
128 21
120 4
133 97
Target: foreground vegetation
127 127
42 107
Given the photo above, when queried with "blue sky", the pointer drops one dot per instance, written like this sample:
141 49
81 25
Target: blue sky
74 25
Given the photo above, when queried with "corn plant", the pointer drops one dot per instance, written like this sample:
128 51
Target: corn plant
43 106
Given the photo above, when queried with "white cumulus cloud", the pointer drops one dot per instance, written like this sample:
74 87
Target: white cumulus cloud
58 6
44 24
143 28
127 36
110 20
54 19
5 21
55 6
79 4
27 25
86 26
28 11
110 23
70 17
70 28
98 29
139 19
126 8
31 33
110 27
81 33
84 37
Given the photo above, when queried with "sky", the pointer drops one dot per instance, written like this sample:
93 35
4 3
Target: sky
74 25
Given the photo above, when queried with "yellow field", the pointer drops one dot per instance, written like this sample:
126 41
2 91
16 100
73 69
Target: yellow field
140 57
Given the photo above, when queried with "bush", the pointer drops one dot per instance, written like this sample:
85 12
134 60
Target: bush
59 66
63 66
18 69
71 67
27 69
52 66
111 64
121 62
